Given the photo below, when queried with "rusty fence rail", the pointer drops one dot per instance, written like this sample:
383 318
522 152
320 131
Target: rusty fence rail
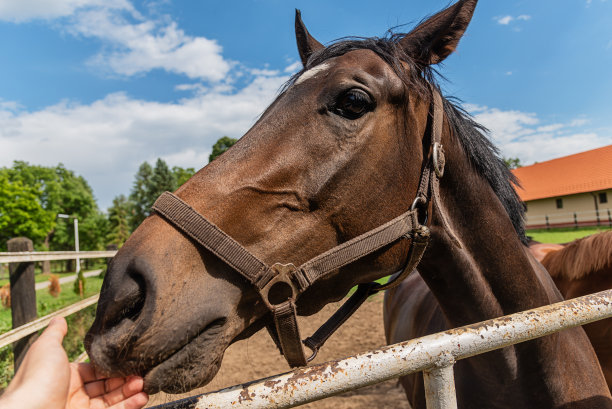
434 355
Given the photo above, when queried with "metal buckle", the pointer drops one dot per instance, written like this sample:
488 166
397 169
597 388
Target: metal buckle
281 287
420 203
438 159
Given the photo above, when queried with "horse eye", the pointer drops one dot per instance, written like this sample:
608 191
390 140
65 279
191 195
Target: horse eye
353 104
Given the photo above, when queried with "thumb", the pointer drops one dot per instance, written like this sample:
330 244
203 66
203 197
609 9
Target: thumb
56 330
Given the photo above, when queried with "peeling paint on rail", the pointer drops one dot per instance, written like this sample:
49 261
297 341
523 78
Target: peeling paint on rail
429 353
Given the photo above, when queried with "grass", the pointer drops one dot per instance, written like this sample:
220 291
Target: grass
564 235
56 268
78 323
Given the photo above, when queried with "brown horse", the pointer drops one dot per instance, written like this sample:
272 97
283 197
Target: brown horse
340 152
583 267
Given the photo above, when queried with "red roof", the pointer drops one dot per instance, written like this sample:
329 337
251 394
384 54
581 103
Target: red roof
588 171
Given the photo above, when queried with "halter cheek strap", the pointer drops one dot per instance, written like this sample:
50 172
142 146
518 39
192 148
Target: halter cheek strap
280 285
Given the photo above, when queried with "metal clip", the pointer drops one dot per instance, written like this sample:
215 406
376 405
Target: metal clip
438 159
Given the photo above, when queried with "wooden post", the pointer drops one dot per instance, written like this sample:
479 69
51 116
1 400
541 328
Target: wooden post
23 295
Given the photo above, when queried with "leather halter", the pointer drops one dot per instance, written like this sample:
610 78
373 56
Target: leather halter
280 285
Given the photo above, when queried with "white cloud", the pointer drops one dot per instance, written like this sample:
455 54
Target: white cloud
506 20
106 140
132 43
521 134
133 48
25 10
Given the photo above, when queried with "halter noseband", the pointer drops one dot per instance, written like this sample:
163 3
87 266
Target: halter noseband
280 285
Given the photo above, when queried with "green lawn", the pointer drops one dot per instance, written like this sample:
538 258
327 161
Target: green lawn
563 235
78 323
56 268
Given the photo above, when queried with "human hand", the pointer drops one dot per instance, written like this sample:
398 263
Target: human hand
46 379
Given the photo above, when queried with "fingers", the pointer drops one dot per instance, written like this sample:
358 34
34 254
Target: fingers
133 402
127 393
56 330
98 388
87 372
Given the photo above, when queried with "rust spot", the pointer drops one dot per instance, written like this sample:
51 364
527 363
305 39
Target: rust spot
270 384
244 395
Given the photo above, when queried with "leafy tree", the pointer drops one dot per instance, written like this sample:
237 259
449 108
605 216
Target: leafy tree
222 144
182 175
513 163
141 195
163 179
93 231
21 212
59 191
148 185
119 221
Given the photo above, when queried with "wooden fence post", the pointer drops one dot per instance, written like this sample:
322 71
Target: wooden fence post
23 295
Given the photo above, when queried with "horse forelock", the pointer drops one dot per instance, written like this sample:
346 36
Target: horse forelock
581 257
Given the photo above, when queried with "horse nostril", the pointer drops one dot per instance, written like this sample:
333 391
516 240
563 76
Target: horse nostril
128 301
135 304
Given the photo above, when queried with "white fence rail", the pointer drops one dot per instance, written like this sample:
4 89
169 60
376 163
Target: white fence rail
602 217
30 256
434 354
33 326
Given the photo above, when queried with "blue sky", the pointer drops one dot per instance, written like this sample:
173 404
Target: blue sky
103 85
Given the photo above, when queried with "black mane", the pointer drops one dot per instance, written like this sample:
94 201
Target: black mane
483 155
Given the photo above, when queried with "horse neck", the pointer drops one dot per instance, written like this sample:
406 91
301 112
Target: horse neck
490 275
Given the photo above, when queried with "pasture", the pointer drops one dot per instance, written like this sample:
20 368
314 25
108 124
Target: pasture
563 235
78 323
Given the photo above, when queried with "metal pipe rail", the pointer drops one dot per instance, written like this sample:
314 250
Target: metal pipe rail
30 256
434 354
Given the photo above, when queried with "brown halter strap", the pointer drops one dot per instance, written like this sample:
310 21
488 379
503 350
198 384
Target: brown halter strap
280 285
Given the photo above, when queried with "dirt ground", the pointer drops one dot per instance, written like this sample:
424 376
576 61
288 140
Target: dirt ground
257 357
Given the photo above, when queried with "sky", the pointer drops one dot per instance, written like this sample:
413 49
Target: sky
104 85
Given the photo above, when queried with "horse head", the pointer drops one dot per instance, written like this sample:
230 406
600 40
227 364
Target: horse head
338 153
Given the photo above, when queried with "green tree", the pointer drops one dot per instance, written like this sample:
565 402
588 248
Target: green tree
163 179
21 212
182 174
60 190
513 163
222 144
149 183
119 221
141 195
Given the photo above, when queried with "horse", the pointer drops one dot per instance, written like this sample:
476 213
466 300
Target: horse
583 267
359 149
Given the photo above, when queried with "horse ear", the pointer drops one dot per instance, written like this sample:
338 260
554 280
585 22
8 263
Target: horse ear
306 43
437 37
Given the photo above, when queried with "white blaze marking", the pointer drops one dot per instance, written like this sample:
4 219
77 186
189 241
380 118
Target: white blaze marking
312 72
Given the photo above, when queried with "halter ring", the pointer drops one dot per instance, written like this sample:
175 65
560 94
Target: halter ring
281 287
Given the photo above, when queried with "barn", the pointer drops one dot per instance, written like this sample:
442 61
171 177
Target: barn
570 191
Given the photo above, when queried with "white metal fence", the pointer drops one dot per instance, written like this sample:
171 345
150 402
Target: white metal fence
602 217
434 354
